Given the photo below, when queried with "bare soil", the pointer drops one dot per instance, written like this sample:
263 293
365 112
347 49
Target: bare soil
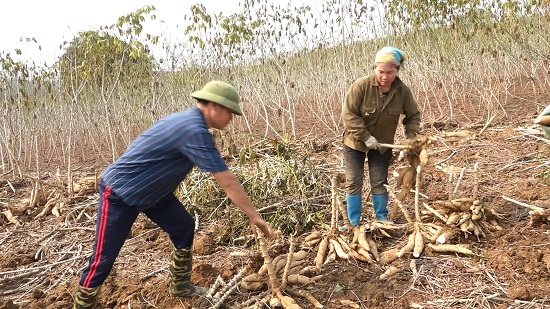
41 260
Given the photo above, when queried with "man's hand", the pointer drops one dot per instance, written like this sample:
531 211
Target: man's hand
263 226
235 191
372 143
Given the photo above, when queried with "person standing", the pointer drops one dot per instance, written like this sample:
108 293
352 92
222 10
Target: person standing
144 178
371 111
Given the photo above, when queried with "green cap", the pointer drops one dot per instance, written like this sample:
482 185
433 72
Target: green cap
220 93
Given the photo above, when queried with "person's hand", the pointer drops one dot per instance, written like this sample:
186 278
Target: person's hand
411 140
263 226
372 143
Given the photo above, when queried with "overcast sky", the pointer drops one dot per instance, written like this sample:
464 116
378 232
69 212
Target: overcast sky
52 22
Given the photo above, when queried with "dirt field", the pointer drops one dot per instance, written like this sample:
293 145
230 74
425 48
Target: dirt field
42 258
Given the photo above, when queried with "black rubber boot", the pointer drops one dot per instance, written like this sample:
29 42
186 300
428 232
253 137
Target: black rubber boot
86 298
181 266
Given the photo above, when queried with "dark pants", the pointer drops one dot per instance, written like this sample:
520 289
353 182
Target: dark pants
379 164
114 222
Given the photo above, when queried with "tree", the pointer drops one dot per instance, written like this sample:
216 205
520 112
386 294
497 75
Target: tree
98 60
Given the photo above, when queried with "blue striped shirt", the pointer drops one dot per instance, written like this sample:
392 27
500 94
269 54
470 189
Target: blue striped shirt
158 160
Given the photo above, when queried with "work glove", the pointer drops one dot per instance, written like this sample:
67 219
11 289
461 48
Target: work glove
411 139
372 143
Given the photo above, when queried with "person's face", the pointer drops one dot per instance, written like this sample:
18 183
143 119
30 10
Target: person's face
385 73
221 116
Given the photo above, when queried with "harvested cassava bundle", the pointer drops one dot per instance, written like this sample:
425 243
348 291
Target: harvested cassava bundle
431 231
359 247
453 218
290 276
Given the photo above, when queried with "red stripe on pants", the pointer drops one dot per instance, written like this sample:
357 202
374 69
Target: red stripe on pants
100 237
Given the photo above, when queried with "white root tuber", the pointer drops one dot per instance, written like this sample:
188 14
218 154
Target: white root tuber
390 271
321 252
408 246
338 249
418 243
451 249
446 235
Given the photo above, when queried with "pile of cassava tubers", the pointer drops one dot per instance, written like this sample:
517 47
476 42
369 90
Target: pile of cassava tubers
294 264
434 225
284 275
444 220
51 195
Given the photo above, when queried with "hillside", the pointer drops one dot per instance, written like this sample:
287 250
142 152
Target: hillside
42 258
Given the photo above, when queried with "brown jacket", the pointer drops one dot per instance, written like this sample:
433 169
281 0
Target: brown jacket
363 116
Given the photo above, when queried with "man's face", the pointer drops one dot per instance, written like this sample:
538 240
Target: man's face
385 73
221 116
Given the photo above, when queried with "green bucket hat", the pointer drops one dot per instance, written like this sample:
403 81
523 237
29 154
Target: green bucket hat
220 93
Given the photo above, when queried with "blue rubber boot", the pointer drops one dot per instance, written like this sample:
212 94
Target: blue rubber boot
354 208
380 203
